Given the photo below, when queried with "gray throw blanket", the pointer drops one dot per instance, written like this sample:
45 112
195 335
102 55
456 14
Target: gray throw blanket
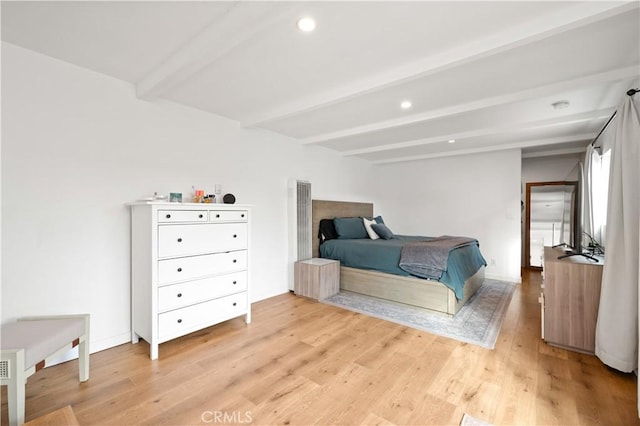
428 259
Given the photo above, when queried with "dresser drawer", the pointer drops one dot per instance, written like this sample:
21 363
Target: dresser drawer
189 268
172 216
185 294
228 215
186 320
186 240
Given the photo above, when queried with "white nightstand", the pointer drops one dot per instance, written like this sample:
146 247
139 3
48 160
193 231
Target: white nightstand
317 278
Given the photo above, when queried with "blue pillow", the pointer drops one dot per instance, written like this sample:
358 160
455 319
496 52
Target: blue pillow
383 231
378 219
350 228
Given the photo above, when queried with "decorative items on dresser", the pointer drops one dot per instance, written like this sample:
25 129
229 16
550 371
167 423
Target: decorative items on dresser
317 278
570 298
189 268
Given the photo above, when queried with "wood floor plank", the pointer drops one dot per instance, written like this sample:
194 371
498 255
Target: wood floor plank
556 404
518 396
410 401
283 398
584 387
316 407
61 417
374 420
368 388
301 362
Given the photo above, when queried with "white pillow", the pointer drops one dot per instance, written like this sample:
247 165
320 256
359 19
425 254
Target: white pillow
370 231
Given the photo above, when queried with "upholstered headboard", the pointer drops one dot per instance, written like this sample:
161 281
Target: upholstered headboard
322 209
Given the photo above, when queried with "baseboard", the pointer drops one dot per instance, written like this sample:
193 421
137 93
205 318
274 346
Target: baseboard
110 342
271 294
94 346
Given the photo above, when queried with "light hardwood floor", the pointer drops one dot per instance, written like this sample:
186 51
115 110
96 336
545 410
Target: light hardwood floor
302 362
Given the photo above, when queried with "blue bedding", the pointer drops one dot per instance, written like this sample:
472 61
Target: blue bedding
384 256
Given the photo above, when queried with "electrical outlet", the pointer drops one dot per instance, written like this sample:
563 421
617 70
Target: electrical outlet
493 262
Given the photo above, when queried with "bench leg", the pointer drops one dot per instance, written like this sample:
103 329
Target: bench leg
15 377
83 360
15 397
16 389
83 350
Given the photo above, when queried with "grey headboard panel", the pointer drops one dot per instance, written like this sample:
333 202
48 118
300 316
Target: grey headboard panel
322 209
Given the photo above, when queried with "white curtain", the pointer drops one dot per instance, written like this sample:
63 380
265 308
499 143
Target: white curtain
587 193
617 326
595 187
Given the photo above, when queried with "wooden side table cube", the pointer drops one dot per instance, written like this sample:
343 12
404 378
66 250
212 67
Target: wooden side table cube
317 278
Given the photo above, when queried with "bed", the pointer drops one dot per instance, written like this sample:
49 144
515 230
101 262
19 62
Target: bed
403 288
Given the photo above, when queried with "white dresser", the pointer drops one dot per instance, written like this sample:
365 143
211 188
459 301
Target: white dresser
189 268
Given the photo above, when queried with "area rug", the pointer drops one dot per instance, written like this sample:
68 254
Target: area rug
478 322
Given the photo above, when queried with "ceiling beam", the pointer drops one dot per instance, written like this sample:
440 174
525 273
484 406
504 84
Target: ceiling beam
548 90
582 14
503 147
238 25
553 152
491 130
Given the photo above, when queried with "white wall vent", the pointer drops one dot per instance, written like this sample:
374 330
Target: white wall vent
299 219
304 220
5 370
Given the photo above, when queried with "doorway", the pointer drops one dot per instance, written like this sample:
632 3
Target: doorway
551 215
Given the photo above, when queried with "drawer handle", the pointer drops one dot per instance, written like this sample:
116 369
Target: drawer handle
179 269
200 216
242 215
179 240
168 216
235 282
234 261
235 235
217 215
179 320
179 294
234 303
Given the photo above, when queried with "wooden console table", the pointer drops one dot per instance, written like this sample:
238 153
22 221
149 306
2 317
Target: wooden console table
570 299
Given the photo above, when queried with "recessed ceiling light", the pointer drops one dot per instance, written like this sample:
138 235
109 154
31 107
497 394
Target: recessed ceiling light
560 104
405 104
451 141
306 24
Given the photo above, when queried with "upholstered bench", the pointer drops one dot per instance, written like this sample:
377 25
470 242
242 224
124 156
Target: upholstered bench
29 344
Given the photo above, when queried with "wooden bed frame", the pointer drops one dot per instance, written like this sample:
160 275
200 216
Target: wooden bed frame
419 292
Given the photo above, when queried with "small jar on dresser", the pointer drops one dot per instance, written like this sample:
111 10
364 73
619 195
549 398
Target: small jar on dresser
189 268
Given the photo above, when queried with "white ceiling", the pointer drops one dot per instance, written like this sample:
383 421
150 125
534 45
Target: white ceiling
482 73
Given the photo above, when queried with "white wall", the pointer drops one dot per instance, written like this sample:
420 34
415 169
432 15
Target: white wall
473 195
550 169
78 145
